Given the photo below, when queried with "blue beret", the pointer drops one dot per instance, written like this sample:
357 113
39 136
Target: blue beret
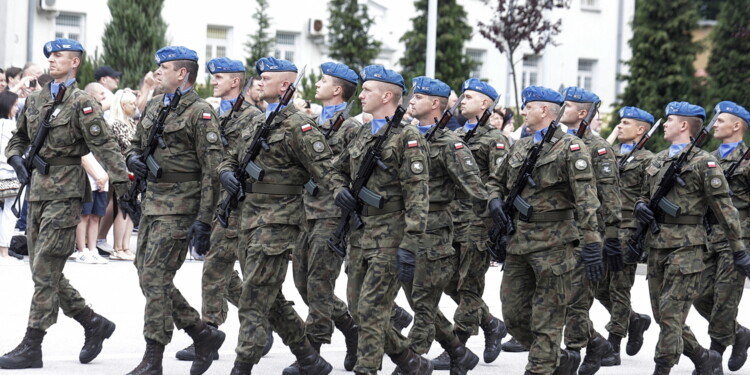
272 64
540 94
474 84
225 65
172 53
62 44
430 86
636 114
339 71
733 108
380 73
579 95
685 109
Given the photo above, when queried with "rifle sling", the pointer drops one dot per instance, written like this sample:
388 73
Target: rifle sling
551 216
387 208
681 220
274 189
61 161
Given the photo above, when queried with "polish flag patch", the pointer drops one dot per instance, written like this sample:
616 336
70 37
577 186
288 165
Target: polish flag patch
500 146
411 144
306 127
206 116
87 110
575 147
711 164
601 151
458 146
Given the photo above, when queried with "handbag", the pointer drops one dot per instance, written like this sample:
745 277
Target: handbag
9 188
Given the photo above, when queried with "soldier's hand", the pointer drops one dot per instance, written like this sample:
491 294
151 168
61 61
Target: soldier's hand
742 261
136 166
199 236
613 254
22 173
406 262
592 259
643 213
346 200
497 210
230 182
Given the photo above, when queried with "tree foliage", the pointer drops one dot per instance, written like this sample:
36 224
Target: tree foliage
452 65
132 38
729 76
89 63
259 43
349 34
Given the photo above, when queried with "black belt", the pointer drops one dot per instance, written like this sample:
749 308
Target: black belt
275 189
550 216
681 220
387 208
177 177
61 161
438 206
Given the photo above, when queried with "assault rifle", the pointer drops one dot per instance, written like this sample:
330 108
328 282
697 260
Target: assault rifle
639 146
247 167
440 124
311 186
482 121
236 107
729 172
129 202
658 203
372 160
31 158
587 120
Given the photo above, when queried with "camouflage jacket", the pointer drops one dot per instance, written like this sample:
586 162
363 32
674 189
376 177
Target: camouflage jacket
232 130
191 133
740 188
705 187
631 181
606 174
297 151
323 205
564 182
77 129
405 155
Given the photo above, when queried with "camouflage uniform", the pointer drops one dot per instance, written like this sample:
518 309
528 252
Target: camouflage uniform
722 283
272 214
186 192
537 276
452 168
55 199
220 282
578 326
676 253
372 269
488 146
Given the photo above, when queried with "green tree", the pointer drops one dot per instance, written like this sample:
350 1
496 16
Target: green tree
349 34
661 69
452 65
260 42
307 84
729 76
133 36
88 66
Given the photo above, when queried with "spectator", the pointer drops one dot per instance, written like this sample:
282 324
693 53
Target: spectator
502 118
8 180
146 91
12 75
108 77
44 79
88 227
3 82
99 93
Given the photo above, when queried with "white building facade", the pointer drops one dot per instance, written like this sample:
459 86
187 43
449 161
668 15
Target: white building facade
590 51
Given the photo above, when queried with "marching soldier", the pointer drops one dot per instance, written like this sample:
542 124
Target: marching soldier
55 198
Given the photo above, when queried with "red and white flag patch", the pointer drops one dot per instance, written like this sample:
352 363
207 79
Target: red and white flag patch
206 115
711 164
575 147
601 151
411 144
500 146
306 127
458 146
87 110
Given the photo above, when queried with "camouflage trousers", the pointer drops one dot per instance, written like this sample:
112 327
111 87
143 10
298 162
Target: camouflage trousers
534 294
220 282
674 278
264 259
614 294
51 239
467 285
720 293
371 288
162 247
315 268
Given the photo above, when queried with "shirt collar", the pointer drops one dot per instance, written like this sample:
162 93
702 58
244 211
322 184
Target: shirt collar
727 148
377 124
226 105
626 148
272 107
168 97
539 135
469 126
572 131
54 87
327 112
425 128
676 148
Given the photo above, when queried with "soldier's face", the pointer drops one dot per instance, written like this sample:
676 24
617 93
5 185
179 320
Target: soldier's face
473 104
533 114
61 62
325 88
725 125
167 77
672 128
572 114
371 96
420 106
222 84
627 130
270 86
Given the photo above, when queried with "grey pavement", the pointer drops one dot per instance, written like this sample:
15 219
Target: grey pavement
113 291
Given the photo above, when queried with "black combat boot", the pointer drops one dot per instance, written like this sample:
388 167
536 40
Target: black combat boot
293 369
661 368
443 361
720 349
612 358
151 362
461 358
241 368
639 323
400 318
309 360
350 329
410 363
597 348
513 346
28 354
494 332
207 341
96 329
739 349
188 354
569 361
704 360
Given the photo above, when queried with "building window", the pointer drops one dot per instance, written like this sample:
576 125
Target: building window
69 25
286 44
590 5
478 56
586 70
531 70
218 40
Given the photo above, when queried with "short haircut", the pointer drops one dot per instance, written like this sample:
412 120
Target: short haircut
240 75
443 102
13 71
191 66
397 91
554 108
348 87
694 124
7 101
